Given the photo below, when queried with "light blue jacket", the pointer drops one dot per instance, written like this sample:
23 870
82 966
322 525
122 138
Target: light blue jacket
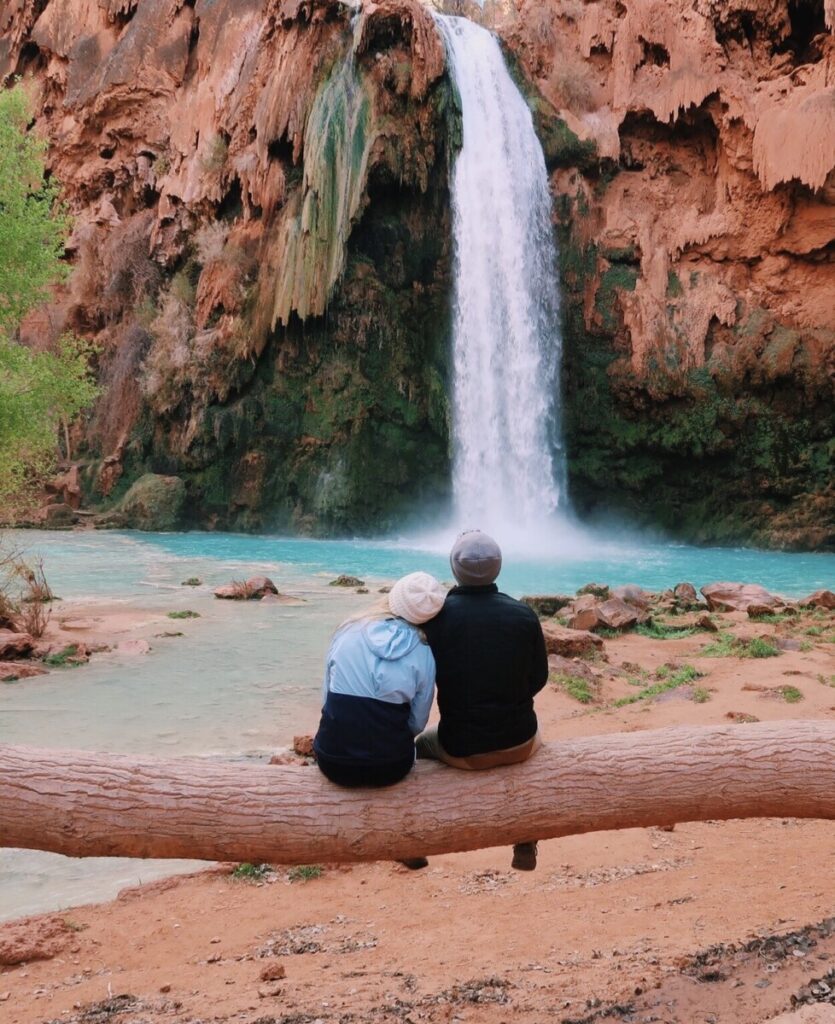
385 660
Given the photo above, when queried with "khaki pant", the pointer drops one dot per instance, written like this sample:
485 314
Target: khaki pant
429 747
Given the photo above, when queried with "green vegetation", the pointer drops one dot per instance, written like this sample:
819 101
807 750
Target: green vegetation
186 614
574 686
659 631
305 872
701 695
729 646
67 658
760 648
38 390
669 678
192 581
791 694
252 872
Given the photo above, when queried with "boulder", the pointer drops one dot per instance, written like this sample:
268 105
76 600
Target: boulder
570 643
12 670
15 645
546 605
259 586
59 516
253 589
706 623
154 503
600 590
611 614
617 614
303 745
575 667
347 581
756 611
820 599
68 487
583 612
735 597
685 596
634 595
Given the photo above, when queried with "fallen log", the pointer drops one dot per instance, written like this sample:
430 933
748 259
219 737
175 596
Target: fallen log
88 804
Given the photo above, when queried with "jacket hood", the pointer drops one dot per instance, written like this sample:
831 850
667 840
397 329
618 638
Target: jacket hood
390 639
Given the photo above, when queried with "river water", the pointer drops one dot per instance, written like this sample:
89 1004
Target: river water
246 677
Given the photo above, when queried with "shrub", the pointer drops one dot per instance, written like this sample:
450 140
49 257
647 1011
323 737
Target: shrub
791 694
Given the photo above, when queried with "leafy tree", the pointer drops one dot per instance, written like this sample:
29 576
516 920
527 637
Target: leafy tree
38 390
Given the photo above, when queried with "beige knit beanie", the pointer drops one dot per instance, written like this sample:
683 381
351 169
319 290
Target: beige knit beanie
417 598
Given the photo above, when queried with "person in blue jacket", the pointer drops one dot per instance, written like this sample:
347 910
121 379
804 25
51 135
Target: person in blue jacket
378 687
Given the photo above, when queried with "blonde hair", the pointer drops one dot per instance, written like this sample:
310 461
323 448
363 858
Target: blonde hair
377 611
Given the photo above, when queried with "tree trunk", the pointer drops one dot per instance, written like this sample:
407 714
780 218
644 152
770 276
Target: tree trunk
88 804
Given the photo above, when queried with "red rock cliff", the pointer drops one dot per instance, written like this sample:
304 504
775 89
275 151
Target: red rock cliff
261 248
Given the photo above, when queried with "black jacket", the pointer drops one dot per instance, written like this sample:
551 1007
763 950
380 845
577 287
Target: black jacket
490 660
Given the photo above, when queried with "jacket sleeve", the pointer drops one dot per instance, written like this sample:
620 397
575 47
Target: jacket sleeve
539 669
424 694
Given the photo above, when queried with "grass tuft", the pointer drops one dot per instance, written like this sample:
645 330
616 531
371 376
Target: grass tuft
669 678
184 615
305 872
791 694
63 659
728 646
574 686
660 631
252 872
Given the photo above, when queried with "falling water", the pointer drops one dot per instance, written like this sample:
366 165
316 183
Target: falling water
509 468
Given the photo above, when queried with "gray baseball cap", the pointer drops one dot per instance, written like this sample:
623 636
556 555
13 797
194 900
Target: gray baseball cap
475 559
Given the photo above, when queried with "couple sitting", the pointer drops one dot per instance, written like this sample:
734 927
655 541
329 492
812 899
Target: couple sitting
485 651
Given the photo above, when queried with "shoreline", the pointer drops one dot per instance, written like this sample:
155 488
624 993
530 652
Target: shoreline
604 915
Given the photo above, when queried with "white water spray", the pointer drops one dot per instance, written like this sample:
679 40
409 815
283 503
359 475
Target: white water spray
509 468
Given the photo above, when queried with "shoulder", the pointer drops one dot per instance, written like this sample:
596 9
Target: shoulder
519 610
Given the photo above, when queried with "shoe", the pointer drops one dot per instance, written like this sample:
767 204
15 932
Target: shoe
414 863
524 857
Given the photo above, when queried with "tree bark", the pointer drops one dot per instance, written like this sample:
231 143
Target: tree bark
89 804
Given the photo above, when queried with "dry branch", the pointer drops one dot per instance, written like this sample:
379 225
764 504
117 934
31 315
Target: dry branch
90 804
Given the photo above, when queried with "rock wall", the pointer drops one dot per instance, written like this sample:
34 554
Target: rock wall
699 281
262 250
261 247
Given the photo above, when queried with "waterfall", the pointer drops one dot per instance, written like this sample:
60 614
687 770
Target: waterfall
509 467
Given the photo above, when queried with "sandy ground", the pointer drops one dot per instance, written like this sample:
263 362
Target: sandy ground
726 923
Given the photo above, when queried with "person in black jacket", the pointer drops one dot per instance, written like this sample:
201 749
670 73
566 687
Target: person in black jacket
490 662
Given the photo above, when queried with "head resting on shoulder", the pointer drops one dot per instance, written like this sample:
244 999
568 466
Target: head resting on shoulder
417 598
475 559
